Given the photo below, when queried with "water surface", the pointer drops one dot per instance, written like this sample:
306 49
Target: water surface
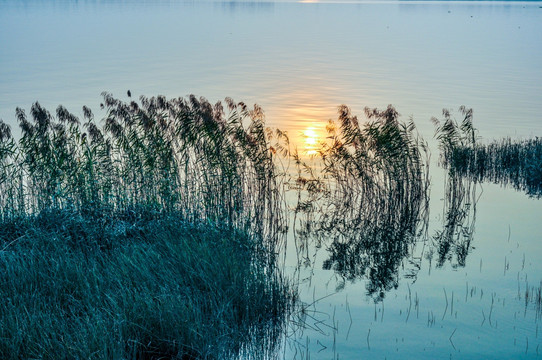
299 61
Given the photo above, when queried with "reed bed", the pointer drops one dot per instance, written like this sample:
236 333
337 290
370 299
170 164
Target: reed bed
204 162
151 235
517 163
368 203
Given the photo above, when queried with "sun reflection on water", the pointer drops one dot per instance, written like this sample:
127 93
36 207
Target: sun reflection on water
312 140
303 110
306 122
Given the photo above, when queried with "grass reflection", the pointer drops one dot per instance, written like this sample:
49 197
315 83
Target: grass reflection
454 242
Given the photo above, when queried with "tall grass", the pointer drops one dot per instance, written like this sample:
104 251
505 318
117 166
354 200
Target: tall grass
517 163
201 161
378 170
153 235
457 141
368 203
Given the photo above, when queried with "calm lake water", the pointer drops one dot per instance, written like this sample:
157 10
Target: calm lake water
299 61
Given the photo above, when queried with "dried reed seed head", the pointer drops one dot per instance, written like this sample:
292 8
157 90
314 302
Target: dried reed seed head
62 113
5 131
134 107
161 102
109 100
146 122
87 113
64 116
144 101
243 107
230 103
194 103
112 126
27 127
467 112
205 108
20 114
123 112
344 111
218 110
257 113
41 117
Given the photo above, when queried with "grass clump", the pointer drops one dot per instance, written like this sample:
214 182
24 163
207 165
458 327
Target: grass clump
163 289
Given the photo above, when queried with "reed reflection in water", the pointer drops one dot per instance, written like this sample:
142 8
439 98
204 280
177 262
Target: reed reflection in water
364 196
422 272
453 242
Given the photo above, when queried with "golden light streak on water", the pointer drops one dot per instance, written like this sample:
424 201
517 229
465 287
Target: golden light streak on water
304 114
312 141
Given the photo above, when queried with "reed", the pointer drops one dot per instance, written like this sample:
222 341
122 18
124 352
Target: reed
517 163
163 289
378 169
457 141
